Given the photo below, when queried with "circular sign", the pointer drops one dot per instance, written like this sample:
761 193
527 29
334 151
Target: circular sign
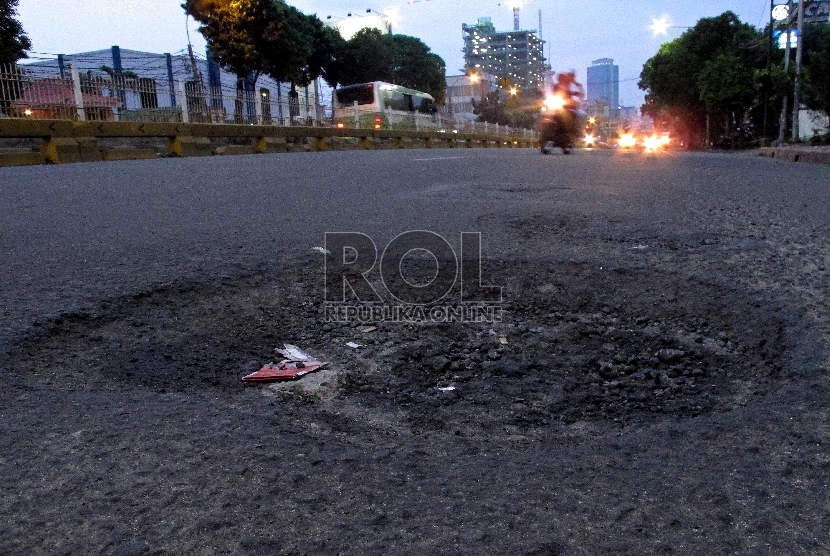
780 12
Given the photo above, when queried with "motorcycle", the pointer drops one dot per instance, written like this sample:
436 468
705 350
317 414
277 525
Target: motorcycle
560 126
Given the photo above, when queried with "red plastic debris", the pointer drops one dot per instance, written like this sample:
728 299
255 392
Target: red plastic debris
286 370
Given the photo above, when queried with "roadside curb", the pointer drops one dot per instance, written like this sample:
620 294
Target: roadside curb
797 154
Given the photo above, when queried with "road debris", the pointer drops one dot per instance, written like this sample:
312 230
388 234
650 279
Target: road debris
446 388
293 353
503 340
354 345
285 370
322 250
369 329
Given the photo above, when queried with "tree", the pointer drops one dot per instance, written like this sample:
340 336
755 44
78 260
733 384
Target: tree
689 77
414 66
13 41
817 67
326 47
725 85
491 109
366 57
237 32
255 37
400 59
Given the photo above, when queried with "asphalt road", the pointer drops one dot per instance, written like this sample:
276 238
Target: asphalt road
73 235
76 240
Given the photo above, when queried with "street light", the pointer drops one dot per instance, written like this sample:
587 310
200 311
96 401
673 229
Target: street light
661 26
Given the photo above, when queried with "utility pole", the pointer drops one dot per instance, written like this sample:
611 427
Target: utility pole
783 120
769 68
797 92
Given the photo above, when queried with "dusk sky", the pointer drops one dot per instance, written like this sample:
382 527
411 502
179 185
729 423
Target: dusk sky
577 33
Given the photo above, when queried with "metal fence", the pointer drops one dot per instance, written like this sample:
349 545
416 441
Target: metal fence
43 92
37 92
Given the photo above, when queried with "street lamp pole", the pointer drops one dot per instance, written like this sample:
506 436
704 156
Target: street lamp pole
783 120
797 92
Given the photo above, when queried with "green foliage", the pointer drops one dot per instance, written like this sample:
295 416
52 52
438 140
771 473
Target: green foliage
400 59
491 109
240 33
414 66
817 67
368 56
518 111
710 69
13 41
255 37
726 85
326 47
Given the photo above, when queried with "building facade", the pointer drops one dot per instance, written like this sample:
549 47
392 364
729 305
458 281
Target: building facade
517 57
462 89
154 87
604 83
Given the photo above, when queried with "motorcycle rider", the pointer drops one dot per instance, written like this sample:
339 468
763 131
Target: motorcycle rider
564 125
571 90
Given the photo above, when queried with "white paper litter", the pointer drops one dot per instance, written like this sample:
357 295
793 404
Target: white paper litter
293 353
447 389
354 345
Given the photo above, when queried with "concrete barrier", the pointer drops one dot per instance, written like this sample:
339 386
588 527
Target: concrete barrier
810 155
128 153
70 141
21 158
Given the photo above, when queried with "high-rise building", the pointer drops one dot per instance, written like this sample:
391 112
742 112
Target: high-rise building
604 83
517 56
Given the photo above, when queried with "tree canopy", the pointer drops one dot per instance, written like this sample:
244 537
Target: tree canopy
242 33
13 41
709 70
400 59
817 67
255 37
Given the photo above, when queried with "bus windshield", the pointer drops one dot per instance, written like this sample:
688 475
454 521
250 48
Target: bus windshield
363 94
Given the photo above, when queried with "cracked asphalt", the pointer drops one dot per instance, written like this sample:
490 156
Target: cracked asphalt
657 384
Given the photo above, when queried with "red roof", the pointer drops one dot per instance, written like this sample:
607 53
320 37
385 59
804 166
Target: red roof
51 92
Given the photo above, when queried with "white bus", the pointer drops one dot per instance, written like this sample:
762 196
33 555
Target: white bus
380 105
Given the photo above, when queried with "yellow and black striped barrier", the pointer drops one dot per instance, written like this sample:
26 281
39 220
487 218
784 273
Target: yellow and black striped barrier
62 141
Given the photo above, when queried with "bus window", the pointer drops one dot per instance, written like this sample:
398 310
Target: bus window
363 94
424 105
397 101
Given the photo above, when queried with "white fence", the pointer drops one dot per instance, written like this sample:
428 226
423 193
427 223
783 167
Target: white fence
45 92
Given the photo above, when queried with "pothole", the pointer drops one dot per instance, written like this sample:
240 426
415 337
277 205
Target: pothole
576 343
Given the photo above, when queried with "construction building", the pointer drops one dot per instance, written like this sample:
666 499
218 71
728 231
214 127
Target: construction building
516 57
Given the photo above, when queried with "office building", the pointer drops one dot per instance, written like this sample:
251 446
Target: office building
604 83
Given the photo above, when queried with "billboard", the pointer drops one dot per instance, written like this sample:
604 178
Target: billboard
817 12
